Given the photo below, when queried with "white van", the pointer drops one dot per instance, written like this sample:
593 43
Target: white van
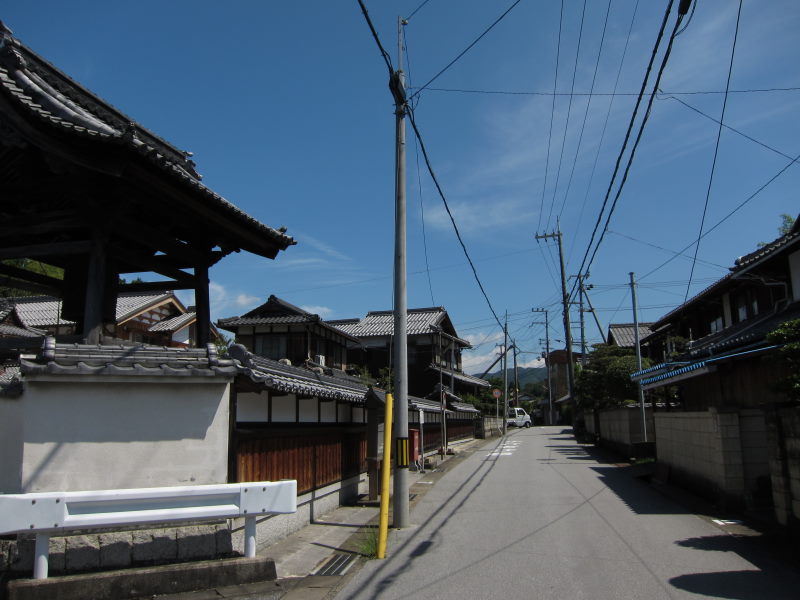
518 417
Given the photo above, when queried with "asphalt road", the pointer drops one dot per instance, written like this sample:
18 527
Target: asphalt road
539 516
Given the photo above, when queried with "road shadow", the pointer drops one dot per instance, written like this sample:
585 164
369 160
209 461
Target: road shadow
771 578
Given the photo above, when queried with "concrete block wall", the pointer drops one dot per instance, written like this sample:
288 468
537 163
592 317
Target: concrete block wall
783 425
703 450
621 428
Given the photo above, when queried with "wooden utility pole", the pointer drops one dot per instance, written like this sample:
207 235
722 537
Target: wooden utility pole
505 375
565 301
638 353
547 358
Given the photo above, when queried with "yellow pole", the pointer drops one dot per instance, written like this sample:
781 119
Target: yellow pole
383 527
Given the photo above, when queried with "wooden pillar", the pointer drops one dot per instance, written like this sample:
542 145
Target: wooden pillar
202 305
95 293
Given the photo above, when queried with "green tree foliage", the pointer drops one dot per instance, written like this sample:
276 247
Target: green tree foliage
34 266
788 334
605 380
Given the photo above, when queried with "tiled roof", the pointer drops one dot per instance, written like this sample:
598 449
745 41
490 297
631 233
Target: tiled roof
419 321
742 263
175 323
296 380
10 383
43 311
278 312
127 361
7 330
415 403
49 98
624 334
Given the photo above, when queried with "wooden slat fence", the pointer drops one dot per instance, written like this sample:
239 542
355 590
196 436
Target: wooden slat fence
314 458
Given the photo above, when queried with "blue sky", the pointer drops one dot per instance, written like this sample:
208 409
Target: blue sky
287 111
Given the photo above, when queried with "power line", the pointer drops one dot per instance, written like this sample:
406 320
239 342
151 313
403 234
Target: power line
586 112
645 118
613 94
657 247
729 215
412 119
552 114
386 58
726 126
605 126
716 152
416 10
467 49
625 140
569 111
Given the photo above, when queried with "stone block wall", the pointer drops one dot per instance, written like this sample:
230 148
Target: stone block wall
114 550
703 451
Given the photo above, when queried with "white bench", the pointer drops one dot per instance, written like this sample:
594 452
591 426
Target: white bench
53 513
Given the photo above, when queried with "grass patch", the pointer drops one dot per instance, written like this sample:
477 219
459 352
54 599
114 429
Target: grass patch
367 543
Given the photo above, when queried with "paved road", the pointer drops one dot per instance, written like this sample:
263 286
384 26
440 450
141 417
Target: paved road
537 516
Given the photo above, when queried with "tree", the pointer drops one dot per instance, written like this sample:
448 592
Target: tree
788 334
605 380
35 266
787 222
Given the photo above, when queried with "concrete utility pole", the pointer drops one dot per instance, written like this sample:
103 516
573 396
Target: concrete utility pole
583 321
565 302
638 353
516 378
505 374
547 357
593 311
397 86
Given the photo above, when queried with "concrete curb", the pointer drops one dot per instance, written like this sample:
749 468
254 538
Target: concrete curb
145 582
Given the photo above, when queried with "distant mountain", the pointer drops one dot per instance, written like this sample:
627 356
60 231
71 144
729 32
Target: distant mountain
526 375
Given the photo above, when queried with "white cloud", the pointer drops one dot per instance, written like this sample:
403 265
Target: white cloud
322 311
245 300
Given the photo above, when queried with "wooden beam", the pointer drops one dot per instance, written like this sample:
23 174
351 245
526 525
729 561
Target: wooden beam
164 242
141 263
54 249
95 293
45 225
202 306
19 284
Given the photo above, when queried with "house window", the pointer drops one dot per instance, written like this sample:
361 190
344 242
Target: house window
271 346
716 325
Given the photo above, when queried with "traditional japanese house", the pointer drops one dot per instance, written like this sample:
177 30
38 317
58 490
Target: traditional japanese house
158 318
279 330
718 363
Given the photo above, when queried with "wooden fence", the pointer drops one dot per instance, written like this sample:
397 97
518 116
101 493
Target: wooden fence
315 458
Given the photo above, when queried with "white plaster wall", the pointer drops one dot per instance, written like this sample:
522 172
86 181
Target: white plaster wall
252 407
344 413
11 429
97 433
284 409
308 410
327 412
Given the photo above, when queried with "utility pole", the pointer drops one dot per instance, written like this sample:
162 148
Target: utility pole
638 353
505 374
583 321
565 302
547 357
593 311
516 378
397 86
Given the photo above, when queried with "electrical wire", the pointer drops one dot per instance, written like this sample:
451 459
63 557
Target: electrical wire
569 111
716 152
413 122
614 94
729 215
625 141
657 247
585 115
726 126
416 10
552 115
605 126
645 118
386 58
467 49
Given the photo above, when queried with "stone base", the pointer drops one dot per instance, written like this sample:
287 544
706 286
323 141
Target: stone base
145 582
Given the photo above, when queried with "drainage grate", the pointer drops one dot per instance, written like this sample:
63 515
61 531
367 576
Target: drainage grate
338 564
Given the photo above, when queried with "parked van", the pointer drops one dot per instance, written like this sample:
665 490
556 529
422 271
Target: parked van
518 417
